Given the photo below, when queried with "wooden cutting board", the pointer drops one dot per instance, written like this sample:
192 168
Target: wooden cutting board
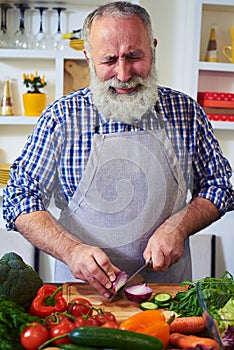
122 308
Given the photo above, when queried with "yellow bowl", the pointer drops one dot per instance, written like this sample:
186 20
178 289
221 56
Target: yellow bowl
77 44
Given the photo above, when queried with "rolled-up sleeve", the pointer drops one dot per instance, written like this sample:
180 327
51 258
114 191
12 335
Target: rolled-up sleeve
32 175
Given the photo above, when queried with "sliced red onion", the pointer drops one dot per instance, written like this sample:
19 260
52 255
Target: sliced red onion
138 293
121 278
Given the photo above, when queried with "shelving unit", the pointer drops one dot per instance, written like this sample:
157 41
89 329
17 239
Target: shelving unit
14 130
213 76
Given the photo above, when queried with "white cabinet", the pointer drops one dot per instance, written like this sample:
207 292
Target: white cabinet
214 76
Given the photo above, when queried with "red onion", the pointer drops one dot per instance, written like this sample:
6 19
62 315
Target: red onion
138 293
121 278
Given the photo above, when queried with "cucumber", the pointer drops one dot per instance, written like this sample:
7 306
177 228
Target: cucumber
114 338
148 305
162 299
75 347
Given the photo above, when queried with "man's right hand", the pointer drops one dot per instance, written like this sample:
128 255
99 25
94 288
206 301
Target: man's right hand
92 265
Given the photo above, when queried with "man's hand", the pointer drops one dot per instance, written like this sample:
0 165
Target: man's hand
165 248
87 263
92 265
166 245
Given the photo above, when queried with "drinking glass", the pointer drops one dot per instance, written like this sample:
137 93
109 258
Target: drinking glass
41 40
57 40
21 39
5 40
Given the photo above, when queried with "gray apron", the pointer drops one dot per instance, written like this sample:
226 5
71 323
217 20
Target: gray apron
133 181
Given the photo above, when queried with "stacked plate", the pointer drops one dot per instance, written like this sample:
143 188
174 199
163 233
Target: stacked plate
4 173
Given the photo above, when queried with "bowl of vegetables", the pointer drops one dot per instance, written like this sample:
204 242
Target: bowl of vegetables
217 302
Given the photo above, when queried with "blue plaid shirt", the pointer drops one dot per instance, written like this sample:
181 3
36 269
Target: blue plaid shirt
56 153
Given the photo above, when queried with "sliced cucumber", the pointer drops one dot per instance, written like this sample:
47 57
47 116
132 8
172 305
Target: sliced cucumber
162 299
148 305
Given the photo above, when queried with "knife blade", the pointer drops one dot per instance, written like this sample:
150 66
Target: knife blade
134 279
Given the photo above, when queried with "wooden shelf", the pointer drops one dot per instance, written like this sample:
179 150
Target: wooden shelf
18 120
223 125
216 66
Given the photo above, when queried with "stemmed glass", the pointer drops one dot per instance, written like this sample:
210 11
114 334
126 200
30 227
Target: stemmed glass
41 40
21 39
5 40
57 40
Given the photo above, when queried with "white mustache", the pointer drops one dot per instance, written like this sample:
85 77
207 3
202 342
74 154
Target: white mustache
131 83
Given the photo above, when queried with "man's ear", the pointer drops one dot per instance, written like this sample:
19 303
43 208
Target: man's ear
155 42
86 56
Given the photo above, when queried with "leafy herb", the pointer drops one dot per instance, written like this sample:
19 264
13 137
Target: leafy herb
13 319
187 303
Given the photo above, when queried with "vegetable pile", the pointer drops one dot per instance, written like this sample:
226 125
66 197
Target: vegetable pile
81 323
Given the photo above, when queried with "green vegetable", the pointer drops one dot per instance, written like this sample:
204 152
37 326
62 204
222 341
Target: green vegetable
12 319
114 337
18 281
148 305
162 299
187 303
75 347
227 312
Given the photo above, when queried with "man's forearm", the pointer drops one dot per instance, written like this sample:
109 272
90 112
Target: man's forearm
44 231
198 214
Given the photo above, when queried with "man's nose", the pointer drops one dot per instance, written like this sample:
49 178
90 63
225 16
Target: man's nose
123 70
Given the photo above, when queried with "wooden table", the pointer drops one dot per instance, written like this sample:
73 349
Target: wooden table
122 308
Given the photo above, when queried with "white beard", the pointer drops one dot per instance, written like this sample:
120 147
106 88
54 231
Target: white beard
127 108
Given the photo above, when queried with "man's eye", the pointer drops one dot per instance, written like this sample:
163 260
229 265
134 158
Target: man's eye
134 56
109 60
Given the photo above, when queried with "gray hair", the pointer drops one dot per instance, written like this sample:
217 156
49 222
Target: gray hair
118 9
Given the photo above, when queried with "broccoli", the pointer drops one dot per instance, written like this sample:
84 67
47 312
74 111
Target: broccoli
18 281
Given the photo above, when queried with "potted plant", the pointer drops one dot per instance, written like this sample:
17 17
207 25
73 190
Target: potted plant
34 100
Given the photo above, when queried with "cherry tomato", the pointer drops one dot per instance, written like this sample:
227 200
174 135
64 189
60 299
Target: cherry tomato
80 307
54 319
33 336
83 321
110 324
105 317
64 327
109 316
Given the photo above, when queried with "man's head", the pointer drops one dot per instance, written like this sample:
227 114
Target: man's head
119 46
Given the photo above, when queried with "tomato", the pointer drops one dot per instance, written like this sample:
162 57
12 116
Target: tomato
109 316
85 321
110 324
62 328
104 317
54 319
33 336
80 307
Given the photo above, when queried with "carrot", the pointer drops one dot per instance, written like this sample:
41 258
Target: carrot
188 325
183 341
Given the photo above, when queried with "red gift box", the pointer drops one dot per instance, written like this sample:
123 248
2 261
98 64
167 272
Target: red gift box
216 99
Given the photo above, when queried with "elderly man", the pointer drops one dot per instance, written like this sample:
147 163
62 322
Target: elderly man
134 167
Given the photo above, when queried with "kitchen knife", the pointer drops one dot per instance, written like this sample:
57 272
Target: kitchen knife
136 278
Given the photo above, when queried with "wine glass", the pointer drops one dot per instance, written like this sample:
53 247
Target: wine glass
21 39
41 39
5 40
57 40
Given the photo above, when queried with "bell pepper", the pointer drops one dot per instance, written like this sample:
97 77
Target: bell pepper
48 300
150 322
